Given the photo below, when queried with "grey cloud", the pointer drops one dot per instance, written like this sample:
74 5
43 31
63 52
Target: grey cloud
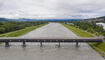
52 8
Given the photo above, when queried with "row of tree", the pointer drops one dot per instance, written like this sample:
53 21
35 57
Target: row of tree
13 26
90 27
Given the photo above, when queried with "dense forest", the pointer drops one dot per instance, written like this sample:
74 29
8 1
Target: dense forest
91 27
13 25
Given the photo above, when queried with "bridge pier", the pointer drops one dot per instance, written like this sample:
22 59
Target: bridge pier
6 44
59 45
41 44
77 44
24 44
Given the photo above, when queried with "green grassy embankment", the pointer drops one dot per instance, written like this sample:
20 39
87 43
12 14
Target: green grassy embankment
98 47
79 32
21 32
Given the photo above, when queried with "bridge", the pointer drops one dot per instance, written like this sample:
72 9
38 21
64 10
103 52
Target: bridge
6 40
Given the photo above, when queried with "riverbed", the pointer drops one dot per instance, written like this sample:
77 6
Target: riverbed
49 51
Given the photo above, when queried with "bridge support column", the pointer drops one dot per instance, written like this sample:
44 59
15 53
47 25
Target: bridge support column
6 44
41 44
24 44
77 44
59 45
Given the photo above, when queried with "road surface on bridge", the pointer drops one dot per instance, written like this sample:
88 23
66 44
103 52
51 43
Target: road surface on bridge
49 51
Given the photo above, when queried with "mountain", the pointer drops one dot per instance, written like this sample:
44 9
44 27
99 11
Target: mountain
56 20
24 19
3 19
96 19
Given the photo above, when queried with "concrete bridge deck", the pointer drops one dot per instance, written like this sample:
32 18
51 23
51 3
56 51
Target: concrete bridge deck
24 40
80 39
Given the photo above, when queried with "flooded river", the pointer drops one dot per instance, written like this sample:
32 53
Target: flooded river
49 51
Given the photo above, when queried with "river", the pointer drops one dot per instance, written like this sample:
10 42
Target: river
49 51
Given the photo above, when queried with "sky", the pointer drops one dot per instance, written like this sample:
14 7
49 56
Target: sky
61 9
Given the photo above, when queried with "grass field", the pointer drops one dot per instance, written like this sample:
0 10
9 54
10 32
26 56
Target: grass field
79 32
21 32
82 33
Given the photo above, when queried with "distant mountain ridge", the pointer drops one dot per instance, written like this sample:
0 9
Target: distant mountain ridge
24 19
3 19
96 19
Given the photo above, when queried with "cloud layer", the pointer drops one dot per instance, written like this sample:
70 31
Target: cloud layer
51 8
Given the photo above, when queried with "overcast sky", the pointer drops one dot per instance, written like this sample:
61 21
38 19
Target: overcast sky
52 8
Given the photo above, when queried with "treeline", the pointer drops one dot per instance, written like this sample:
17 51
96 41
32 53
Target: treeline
90 27
13 26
